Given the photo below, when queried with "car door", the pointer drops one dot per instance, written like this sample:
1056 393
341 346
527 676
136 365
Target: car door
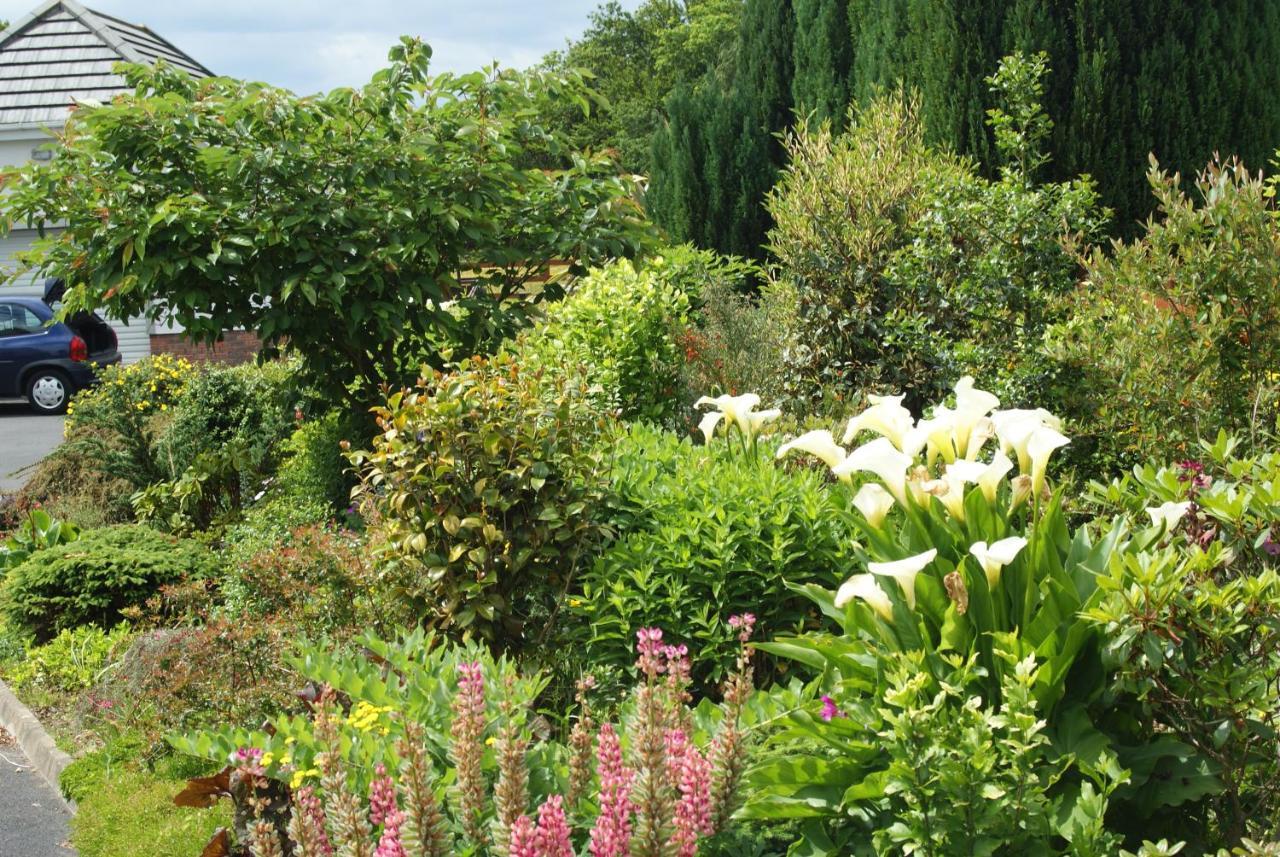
23 339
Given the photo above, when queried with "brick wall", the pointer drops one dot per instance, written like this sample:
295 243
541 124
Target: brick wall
236 346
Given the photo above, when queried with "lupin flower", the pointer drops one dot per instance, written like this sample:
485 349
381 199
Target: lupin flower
1168 515
865 587
904 571
611 834
820 444
649 646
468 748
422 833
307 825
553 829
830 710
994 557
382 796
883 459
524 838
873 502
691 775
886 417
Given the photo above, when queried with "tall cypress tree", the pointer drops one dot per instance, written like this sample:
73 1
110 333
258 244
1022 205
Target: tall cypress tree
823 59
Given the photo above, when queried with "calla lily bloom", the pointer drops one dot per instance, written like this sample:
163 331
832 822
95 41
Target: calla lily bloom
1021 490
904 571
939 432
734 408
989 481
864 586
883 459
759 419
708 424
983 431
956 477
1015 427
997 555
886 417
820 444
1168 514
972 405
873 502
1040 446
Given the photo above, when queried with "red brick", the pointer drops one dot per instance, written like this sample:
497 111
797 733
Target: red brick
235 346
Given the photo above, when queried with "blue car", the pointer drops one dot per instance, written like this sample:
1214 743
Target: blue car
46 361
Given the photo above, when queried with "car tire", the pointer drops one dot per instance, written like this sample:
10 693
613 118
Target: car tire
48 391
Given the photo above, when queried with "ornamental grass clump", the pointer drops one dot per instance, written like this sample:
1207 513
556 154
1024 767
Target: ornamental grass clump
472 772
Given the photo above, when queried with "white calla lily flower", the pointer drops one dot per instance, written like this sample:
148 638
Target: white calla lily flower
735 408
972 405
883 459
1043 441
820 444
994 557
905 571
886 417
939 432
983 431
864 586
1014 427
708 424
955 478
873 502
1168 514
759 419
989 481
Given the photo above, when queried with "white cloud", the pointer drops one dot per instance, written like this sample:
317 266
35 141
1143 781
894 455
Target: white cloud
312 45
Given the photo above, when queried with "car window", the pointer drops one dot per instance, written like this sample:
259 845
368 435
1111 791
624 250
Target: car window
15 320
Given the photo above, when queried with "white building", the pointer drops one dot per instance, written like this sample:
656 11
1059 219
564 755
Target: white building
57 55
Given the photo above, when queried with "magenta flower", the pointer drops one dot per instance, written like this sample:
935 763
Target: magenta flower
524 838
553 829
382 796
744 625
649 645
690 772
830 710
611 835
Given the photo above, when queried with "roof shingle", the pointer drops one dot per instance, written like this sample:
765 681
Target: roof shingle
63 52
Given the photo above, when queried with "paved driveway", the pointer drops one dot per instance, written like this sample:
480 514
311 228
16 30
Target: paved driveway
24 439
33 821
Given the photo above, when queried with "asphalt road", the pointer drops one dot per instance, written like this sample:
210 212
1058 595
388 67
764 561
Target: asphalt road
25 438
33 821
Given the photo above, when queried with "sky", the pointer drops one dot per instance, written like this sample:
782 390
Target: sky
315 45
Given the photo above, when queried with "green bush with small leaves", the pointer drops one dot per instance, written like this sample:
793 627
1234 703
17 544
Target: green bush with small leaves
93 579
72 661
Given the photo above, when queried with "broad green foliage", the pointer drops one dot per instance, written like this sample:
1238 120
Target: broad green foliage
485 481
706 534
94 578
35 532
1189 315
318 220
1193 630
617 327
72 661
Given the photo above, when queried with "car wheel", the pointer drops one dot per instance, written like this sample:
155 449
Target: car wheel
48 391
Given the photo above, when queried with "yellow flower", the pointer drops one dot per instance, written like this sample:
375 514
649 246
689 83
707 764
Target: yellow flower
488 742
286 759
267 759
575 602
300 775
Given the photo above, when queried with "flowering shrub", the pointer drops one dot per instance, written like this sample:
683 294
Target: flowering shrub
485 485
364 780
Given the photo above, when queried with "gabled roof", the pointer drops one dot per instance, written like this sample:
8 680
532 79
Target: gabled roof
63 52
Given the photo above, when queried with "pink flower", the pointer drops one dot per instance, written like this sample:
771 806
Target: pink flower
524 839
553 829
649 645
611 835
744 625
691 774
382 796
389 843
830 709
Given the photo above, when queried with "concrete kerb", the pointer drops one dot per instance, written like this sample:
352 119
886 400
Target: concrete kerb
36 744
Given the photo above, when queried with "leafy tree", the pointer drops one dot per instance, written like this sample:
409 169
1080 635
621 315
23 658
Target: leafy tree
343 225
823 58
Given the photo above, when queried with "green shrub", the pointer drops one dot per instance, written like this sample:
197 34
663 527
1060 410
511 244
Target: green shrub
739 342
73 660
269 522
617 326
131 814
485 484
252 405
707 533
1188 314
313 467
93 579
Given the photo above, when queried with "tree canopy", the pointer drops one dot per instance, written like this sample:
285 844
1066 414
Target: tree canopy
364 227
